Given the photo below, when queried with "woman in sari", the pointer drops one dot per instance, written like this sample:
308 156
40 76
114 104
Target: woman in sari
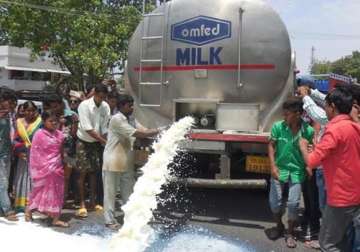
47 171
25 129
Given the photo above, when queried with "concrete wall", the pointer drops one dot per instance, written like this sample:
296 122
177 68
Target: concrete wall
19 84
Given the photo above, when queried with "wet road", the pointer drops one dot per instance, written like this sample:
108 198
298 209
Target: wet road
238 215
243 215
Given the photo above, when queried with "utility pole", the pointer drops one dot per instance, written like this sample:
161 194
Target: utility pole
312 61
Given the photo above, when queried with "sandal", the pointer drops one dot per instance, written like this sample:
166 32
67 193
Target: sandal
60 224
290 241
98 208
82 213
95 208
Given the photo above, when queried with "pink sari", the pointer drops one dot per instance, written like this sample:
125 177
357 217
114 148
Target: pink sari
47 172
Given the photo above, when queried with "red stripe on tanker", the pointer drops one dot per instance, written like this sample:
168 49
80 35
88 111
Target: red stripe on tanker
207 67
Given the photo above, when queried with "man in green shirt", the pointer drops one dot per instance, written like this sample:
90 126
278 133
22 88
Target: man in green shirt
287 166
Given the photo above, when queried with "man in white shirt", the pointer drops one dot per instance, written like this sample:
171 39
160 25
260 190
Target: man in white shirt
94 115
118 165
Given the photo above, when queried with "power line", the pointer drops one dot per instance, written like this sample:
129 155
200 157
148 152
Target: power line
323 36
328 34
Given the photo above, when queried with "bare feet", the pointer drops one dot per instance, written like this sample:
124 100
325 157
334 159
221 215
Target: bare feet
28 216
11 217
59 223
290 241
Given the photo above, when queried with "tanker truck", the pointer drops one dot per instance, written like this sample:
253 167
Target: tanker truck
228 64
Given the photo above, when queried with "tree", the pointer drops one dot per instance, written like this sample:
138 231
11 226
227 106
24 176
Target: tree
88 37
320 67
348 65
138 4
118 3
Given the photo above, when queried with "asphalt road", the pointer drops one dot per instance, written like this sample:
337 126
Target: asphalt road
239 215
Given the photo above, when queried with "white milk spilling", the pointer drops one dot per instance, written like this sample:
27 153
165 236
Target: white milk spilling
135 235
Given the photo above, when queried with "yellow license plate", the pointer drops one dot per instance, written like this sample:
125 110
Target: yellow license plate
257 164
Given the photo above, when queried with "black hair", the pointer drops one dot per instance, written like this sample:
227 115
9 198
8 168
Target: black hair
123 99
20 106
8 94
101 88
354 89
47 114
29 104
342 98
293 104
112 95
51 98
88 88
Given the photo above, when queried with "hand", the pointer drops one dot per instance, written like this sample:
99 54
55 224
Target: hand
309 172
102 141
303 144
163 128
275 172
303 91
23 156
310 148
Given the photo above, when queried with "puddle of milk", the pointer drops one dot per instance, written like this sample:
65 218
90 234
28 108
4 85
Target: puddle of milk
22 236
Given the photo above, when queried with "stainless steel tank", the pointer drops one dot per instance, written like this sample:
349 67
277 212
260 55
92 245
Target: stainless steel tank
208 52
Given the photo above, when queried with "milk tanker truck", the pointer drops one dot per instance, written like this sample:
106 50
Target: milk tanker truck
228 64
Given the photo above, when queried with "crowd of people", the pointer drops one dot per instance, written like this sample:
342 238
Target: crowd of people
82 147
315 152
67 149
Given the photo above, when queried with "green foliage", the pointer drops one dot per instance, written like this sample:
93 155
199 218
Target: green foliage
88 37
348 65
321 67
138 4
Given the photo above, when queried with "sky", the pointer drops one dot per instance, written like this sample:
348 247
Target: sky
331 26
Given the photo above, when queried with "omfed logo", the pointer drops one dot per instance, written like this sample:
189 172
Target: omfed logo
201 30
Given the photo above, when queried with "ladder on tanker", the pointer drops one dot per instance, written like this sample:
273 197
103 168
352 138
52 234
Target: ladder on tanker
150 91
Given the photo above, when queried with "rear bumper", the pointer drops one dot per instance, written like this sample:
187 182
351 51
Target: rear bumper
223 183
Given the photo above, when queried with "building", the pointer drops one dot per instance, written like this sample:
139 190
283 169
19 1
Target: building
19 71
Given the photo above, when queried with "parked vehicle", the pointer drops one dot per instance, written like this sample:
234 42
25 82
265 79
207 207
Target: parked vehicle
227 63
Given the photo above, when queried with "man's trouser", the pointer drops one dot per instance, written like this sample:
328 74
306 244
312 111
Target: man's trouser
5 163
276 198
312 214
112 181
336 221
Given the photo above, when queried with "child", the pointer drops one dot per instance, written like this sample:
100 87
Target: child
287 166
47 171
